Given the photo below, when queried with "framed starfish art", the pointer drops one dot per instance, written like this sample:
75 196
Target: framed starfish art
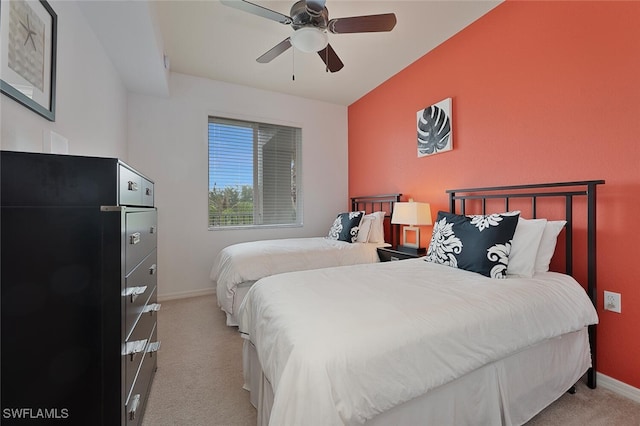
28 30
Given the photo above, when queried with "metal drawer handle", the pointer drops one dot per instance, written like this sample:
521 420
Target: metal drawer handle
134 238
152 269
133 186
134 292
153 347
135 402
154 307
135 347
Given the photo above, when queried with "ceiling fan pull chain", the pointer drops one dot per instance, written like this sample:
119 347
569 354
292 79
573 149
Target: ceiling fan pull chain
326 55
293 64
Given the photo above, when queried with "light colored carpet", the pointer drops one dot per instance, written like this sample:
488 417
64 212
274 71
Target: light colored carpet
199 378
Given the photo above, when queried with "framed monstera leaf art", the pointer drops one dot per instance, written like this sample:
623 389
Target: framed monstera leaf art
434 129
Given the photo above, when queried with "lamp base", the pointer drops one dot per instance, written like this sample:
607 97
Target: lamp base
406 239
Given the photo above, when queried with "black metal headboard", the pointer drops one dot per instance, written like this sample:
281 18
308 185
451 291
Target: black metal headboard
376 203
535 192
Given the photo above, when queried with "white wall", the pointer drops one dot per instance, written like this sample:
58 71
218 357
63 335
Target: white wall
91 99
168 142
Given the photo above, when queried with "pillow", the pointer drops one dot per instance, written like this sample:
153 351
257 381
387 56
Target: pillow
345 227
475 243
365 229
548 244
376 235
524 247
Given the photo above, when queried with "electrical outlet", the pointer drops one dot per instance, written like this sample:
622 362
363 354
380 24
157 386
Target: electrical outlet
612 302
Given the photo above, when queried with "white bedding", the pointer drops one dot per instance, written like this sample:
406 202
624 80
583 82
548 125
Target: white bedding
340 345
508 392
247 262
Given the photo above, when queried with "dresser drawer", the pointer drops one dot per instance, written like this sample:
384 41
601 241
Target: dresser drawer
134 189
147 305
135 347
137 398
141 235
130 186
140 288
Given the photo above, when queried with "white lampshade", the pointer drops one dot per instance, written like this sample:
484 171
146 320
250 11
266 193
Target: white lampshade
309 39
411 213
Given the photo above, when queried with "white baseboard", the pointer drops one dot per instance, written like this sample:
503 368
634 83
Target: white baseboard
618 387
186 294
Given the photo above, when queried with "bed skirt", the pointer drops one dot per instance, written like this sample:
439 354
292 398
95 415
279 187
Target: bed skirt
241 292
507 392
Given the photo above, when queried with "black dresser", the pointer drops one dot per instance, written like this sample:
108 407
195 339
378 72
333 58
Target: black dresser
78 290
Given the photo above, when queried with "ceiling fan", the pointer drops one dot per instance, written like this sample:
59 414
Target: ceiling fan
310 21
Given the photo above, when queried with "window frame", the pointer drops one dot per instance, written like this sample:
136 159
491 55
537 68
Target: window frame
298 171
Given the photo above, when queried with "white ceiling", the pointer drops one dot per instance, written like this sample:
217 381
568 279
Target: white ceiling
210 40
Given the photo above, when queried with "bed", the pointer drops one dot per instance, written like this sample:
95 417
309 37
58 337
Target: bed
238 266
427 342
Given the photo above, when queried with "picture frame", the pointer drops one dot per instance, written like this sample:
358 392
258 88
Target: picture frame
434 126
28 30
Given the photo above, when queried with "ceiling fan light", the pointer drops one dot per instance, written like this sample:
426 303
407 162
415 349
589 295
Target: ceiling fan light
309 39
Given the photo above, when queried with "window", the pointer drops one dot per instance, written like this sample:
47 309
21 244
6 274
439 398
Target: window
253 174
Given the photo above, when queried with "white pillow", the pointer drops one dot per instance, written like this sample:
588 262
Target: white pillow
524 247
548 244
365 229
376 234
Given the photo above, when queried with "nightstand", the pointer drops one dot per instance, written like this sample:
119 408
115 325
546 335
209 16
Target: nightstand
387 254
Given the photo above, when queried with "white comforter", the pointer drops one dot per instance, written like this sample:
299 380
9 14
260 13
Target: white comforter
340 345
251 261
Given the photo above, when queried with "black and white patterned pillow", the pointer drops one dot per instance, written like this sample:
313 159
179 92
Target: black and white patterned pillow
346 226
475 243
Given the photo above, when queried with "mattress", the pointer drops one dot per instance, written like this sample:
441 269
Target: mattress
343 345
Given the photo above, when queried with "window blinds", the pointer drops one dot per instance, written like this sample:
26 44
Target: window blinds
253 173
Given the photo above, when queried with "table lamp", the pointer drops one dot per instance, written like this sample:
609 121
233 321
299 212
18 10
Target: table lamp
413 214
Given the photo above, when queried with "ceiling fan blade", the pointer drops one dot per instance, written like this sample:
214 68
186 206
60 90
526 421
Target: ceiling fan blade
362 24
275 51
330 58
246 6
315 6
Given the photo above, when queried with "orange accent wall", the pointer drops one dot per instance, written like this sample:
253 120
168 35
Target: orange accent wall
542 92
